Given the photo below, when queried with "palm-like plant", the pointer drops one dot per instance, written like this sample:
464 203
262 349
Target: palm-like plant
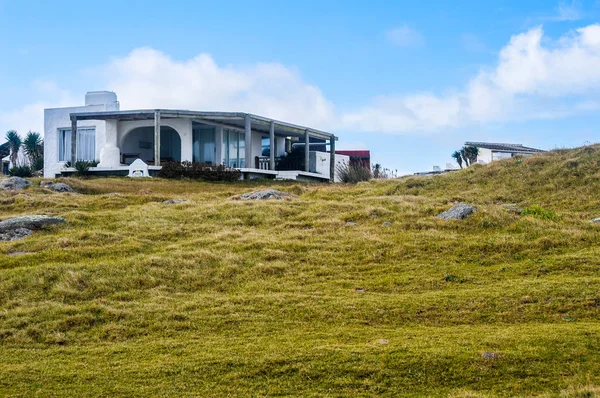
464 156
376 170
14 144
458 156
471 153
34 148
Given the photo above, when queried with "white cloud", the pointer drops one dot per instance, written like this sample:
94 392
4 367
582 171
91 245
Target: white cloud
568 11
147 78
30 117
405 36
533 78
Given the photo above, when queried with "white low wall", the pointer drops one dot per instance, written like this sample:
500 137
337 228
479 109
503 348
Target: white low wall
319 163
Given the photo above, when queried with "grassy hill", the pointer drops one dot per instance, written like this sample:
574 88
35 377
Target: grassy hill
217 297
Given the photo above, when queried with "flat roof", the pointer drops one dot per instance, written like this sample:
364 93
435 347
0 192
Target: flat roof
232 120
502 147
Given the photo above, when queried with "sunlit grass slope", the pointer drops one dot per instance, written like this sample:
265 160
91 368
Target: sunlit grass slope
216 297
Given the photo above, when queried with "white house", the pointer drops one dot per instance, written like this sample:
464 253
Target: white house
253 144
490 151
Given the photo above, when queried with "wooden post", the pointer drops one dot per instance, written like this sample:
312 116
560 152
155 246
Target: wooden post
73 141
332 159
306 151
157 138
248 144
272 146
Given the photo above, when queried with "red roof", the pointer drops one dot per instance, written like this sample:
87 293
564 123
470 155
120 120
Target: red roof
357 153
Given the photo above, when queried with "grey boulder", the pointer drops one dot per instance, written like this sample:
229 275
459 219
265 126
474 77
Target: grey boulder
14 184
29 222
266 195
512 207
174 201
56 186
15 234
457 212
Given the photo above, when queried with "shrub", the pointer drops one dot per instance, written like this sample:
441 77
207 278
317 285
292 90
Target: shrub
38 164
539 212
353 173
198 171
82 167
21 171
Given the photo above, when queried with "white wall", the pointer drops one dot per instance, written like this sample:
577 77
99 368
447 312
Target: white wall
59 118
484 156
319 163
501 155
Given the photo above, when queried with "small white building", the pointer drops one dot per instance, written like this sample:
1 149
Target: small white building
490 151
100 131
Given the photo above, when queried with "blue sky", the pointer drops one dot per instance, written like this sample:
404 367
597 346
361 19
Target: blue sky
411 81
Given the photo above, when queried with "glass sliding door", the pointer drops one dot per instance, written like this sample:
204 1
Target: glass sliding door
234 149
204 145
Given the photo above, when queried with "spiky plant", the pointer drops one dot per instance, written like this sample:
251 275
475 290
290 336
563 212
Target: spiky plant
14 144
34 148
471 153
458 156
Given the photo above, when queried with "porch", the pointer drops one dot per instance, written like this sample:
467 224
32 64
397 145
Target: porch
257 146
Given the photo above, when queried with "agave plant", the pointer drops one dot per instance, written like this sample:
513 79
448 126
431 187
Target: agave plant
14 144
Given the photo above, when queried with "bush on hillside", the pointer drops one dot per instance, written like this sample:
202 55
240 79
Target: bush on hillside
21 171
198 171
353 173
537 211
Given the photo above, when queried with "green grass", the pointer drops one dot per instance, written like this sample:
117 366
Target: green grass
216 297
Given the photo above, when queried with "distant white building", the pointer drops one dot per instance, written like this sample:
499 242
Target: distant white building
491 151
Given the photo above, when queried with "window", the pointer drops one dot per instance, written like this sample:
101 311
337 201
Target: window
204 145
234 149
86 144
265 143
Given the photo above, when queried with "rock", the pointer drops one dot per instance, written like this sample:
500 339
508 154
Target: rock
266 195
386 224
489 355
350 224
457 212
15 234
15 254
595 221
174 201
29 223
512 207
14 183
56 186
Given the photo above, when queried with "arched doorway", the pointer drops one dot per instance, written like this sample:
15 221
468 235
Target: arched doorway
139 143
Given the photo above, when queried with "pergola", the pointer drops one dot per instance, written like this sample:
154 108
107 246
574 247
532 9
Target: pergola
243 122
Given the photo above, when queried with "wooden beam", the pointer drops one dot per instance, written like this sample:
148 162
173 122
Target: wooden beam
306 151
73 141
332 159
157 138
248 142
272 146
